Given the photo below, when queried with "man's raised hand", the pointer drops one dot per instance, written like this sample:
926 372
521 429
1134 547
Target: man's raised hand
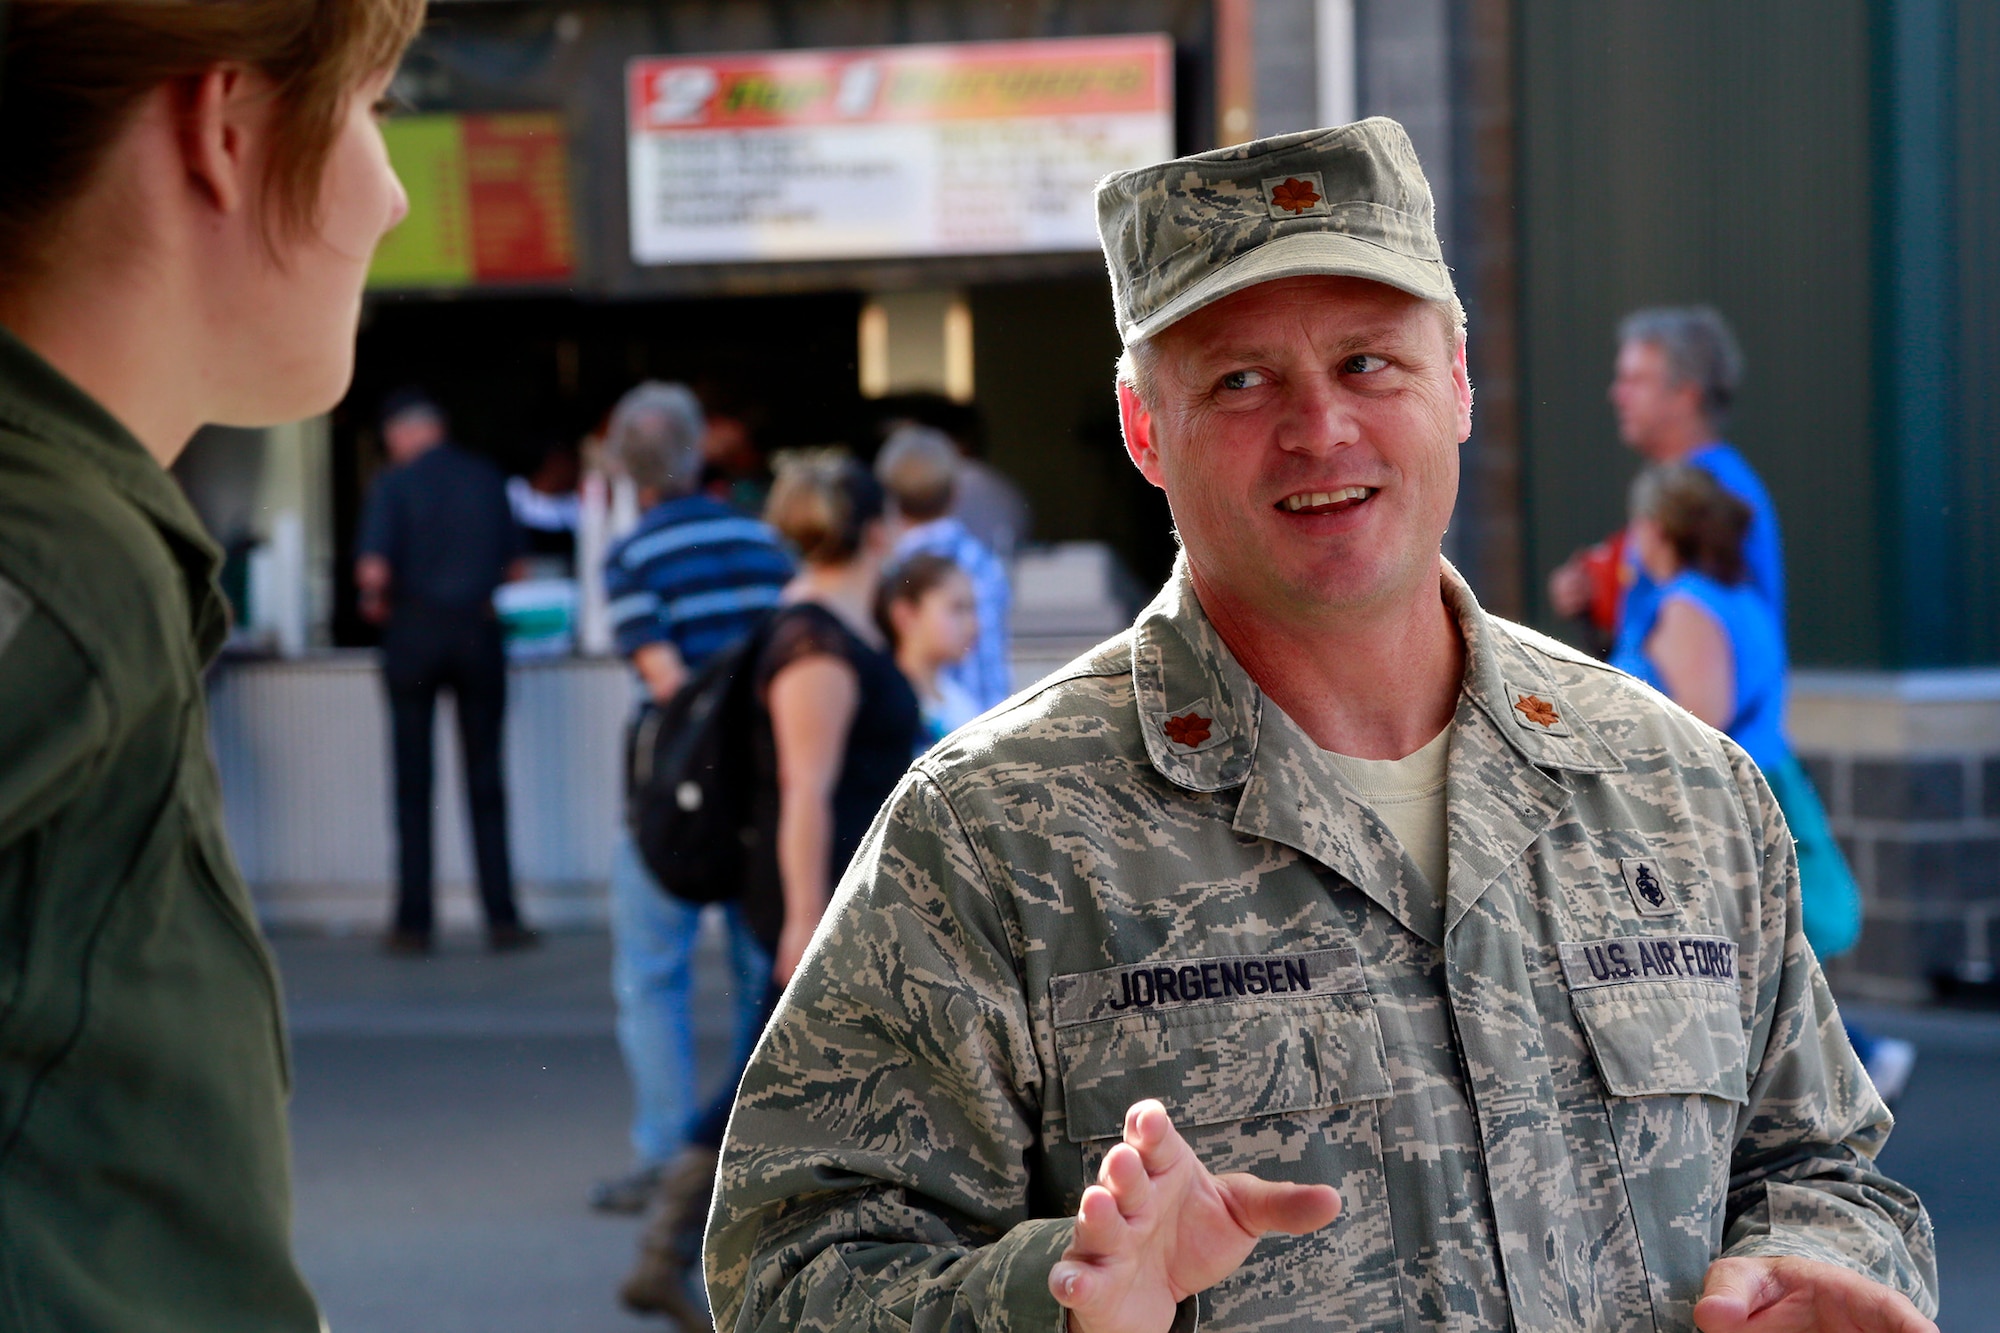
1156 1228
1790 1295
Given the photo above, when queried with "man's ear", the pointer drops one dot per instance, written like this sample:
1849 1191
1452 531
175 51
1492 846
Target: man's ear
1461 383
221 113
1137 423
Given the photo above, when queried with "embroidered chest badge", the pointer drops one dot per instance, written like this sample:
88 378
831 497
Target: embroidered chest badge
1189 729
1647 886
1295 196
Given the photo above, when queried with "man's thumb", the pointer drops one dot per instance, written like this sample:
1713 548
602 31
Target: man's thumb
1272 1205
1734 1290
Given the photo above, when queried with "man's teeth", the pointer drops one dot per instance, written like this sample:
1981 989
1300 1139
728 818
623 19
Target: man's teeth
1320 499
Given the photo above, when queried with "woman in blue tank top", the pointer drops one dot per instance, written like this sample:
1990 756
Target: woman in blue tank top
1709 641
1711 644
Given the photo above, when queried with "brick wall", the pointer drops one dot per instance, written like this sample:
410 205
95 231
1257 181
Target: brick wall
1909 769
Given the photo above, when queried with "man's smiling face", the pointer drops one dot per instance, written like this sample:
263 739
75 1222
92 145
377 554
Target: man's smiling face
1306 433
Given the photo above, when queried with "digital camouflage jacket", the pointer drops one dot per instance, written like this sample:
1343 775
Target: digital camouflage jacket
1549 1100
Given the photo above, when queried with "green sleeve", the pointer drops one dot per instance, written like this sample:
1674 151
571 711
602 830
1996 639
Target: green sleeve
1803 1179
54 725
877 1170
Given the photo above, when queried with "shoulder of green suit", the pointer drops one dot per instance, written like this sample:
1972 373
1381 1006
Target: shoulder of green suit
1349 201
98 536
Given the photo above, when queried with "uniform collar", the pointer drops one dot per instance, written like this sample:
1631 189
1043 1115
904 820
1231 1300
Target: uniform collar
1198 708
76 433
1202 715
1208 727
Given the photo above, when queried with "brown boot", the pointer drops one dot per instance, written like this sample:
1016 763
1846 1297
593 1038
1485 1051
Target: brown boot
658 1281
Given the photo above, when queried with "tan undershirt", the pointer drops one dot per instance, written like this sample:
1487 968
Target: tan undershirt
1408 795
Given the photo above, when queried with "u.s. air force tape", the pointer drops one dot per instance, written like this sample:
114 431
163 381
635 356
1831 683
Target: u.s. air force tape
1630 958
1172 983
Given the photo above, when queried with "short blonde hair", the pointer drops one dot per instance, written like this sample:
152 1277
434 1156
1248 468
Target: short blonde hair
822 503
75 71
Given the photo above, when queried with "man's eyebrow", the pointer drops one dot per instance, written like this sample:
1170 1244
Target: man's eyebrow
1388 336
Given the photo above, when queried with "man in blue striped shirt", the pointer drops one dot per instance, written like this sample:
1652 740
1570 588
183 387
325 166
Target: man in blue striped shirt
689 580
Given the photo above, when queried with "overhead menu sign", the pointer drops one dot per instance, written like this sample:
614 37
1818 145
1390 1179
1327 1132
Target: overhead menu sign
974 148
489 201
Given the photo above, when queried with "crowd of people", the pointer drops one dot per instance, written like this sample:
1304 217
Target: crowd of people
1320 893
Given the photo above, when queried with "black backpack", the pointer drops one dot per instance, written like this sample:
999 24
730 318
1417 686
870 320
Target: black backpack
691 773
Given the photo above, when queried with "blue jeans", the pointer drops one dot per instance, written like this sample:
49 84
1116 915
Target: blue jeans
652 937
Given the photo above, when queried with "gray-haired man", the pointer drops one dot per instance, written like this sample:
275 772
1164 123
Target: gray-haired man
1319 890
692 578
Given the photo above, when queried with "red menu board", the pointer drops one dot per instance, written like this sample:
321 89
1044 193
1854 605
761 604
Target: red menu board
489 201
517 177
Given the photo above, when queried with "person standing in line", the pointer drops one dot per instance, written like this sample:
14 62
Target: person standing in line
837 724
1678 373
189 197
692 578
928 611
437 538
920 468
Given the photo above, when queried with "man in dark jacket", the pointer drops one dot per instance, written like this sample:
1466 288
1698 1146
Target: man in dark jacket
437 538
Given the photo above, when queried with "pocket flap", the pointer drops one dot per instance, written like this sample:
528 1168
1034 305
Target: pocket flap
1212 1066
1666 1038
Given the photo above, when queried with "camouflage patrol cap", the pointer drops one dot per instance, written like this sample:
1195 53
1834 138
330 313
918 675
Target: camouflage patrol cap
1350 201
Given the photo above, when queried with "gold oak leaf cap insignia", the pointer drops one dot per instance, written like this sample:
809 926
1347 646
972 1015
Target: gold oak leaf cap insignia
1295 196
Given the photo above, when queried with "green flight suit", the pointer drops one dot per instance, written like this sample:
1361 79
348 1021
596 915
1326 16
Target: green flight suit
1549 1095
144 1163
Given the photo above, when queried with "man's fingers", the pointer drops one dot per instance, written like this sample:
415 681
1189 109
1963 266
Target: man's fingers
1101 1229
1793 1293
1886 1311
1261 1206
1072 1284
1149 1129
1124 1174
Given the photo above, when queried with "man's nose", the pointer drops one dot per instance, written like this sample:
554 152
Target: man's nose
1321 421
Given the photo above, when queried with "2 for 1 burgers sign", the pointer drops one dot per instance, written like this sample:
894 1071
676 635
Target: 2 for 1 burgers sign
976 148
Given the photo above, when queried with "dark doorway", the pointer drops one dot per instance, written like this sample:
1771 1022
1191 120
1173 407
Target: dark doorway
517 375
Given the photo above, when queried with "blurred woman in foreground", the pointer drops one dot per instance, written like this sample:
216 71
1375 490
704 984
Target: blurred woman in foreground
1714 649
189 197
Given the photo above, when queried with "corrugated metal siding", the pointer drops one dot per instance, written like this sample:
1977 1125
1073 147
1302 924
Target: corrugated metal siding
1979 324
1676 151
303 753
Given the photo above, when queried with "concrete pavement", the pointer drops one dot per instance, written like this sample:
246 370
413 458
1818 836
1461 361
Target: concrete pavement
448 1115
450 1112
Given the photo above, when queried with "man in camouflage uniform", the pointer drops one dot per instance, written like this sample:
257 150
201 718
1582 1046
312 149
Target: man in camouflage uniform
1548 1026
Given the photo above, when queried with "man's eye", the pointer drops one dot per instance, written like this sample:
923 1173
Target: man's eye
1242 379
1363 364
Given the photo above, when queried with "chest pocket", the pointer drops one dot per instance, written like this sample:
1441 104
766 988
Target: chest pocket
1216 1040
1661 1015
